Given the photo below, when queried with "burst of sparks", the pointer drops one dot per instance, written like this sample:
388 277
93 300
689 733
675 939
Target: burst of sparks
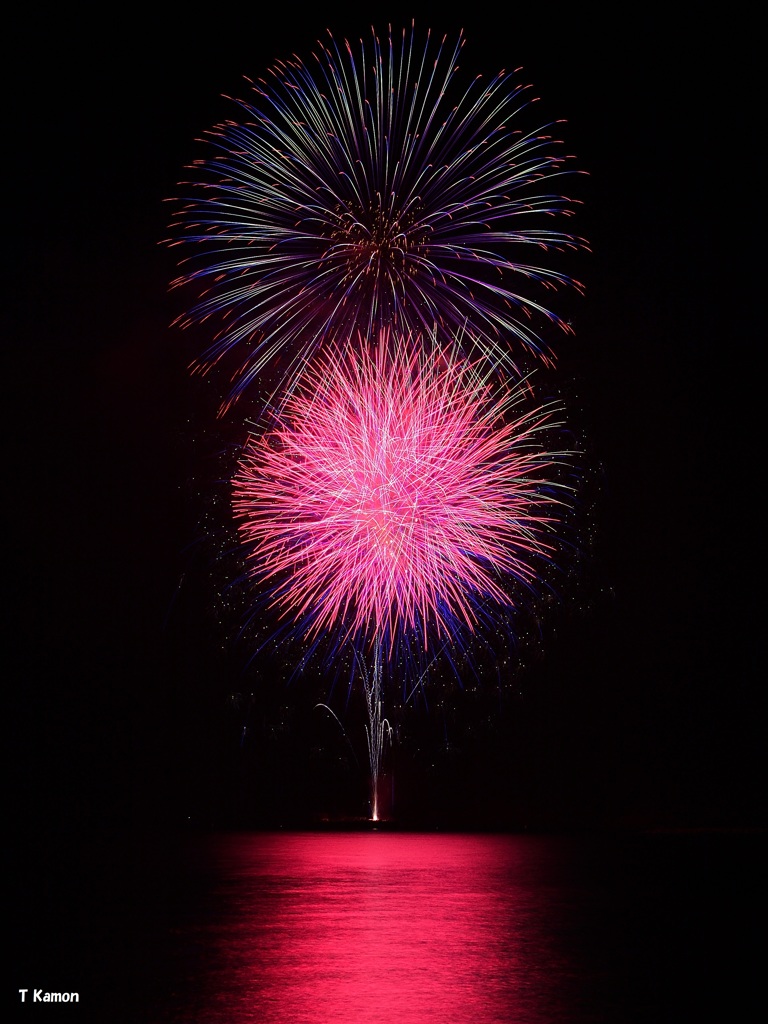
397 489
369 190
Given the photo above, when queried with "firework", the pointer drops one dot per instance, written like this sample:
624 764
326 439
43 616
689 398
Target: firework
369 189
378 730
397 492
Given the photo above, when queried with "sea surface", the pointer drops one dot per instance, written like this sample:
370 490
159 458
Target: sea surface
377 926
404 928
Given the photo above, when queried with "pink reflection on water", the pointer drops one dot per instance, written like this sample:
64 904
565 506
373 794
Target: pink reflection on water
373 927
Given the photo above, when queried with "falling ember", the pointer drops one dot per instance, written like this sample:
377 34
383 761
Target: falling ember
397 488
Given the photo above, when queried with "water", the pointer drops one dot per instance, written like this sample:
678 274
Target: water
368 927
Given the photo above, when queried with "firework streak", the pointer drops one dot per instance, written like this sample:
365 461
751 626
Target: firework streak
396 489
368 190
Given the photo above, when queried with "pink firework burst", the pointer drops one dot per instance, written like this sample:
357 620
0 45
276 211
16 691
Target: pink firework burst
397 490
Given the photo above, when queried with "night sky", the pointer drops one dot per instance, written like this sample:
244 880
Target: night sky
641 703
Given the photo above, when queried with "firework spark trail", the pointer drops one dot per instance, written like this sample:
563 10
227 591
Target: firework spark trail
378 729
367 191
397 490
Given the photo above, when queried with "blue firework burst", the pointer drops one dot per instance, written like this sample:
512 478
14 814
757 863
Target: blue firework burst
368 189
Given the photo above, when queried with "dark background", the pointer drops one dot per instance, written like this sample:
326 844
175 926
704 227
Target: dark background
642 706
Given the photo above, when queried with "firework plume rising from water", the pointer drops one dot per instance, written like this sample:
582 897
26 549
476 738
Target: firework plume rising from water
397 493
369 189
366 238
378 730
